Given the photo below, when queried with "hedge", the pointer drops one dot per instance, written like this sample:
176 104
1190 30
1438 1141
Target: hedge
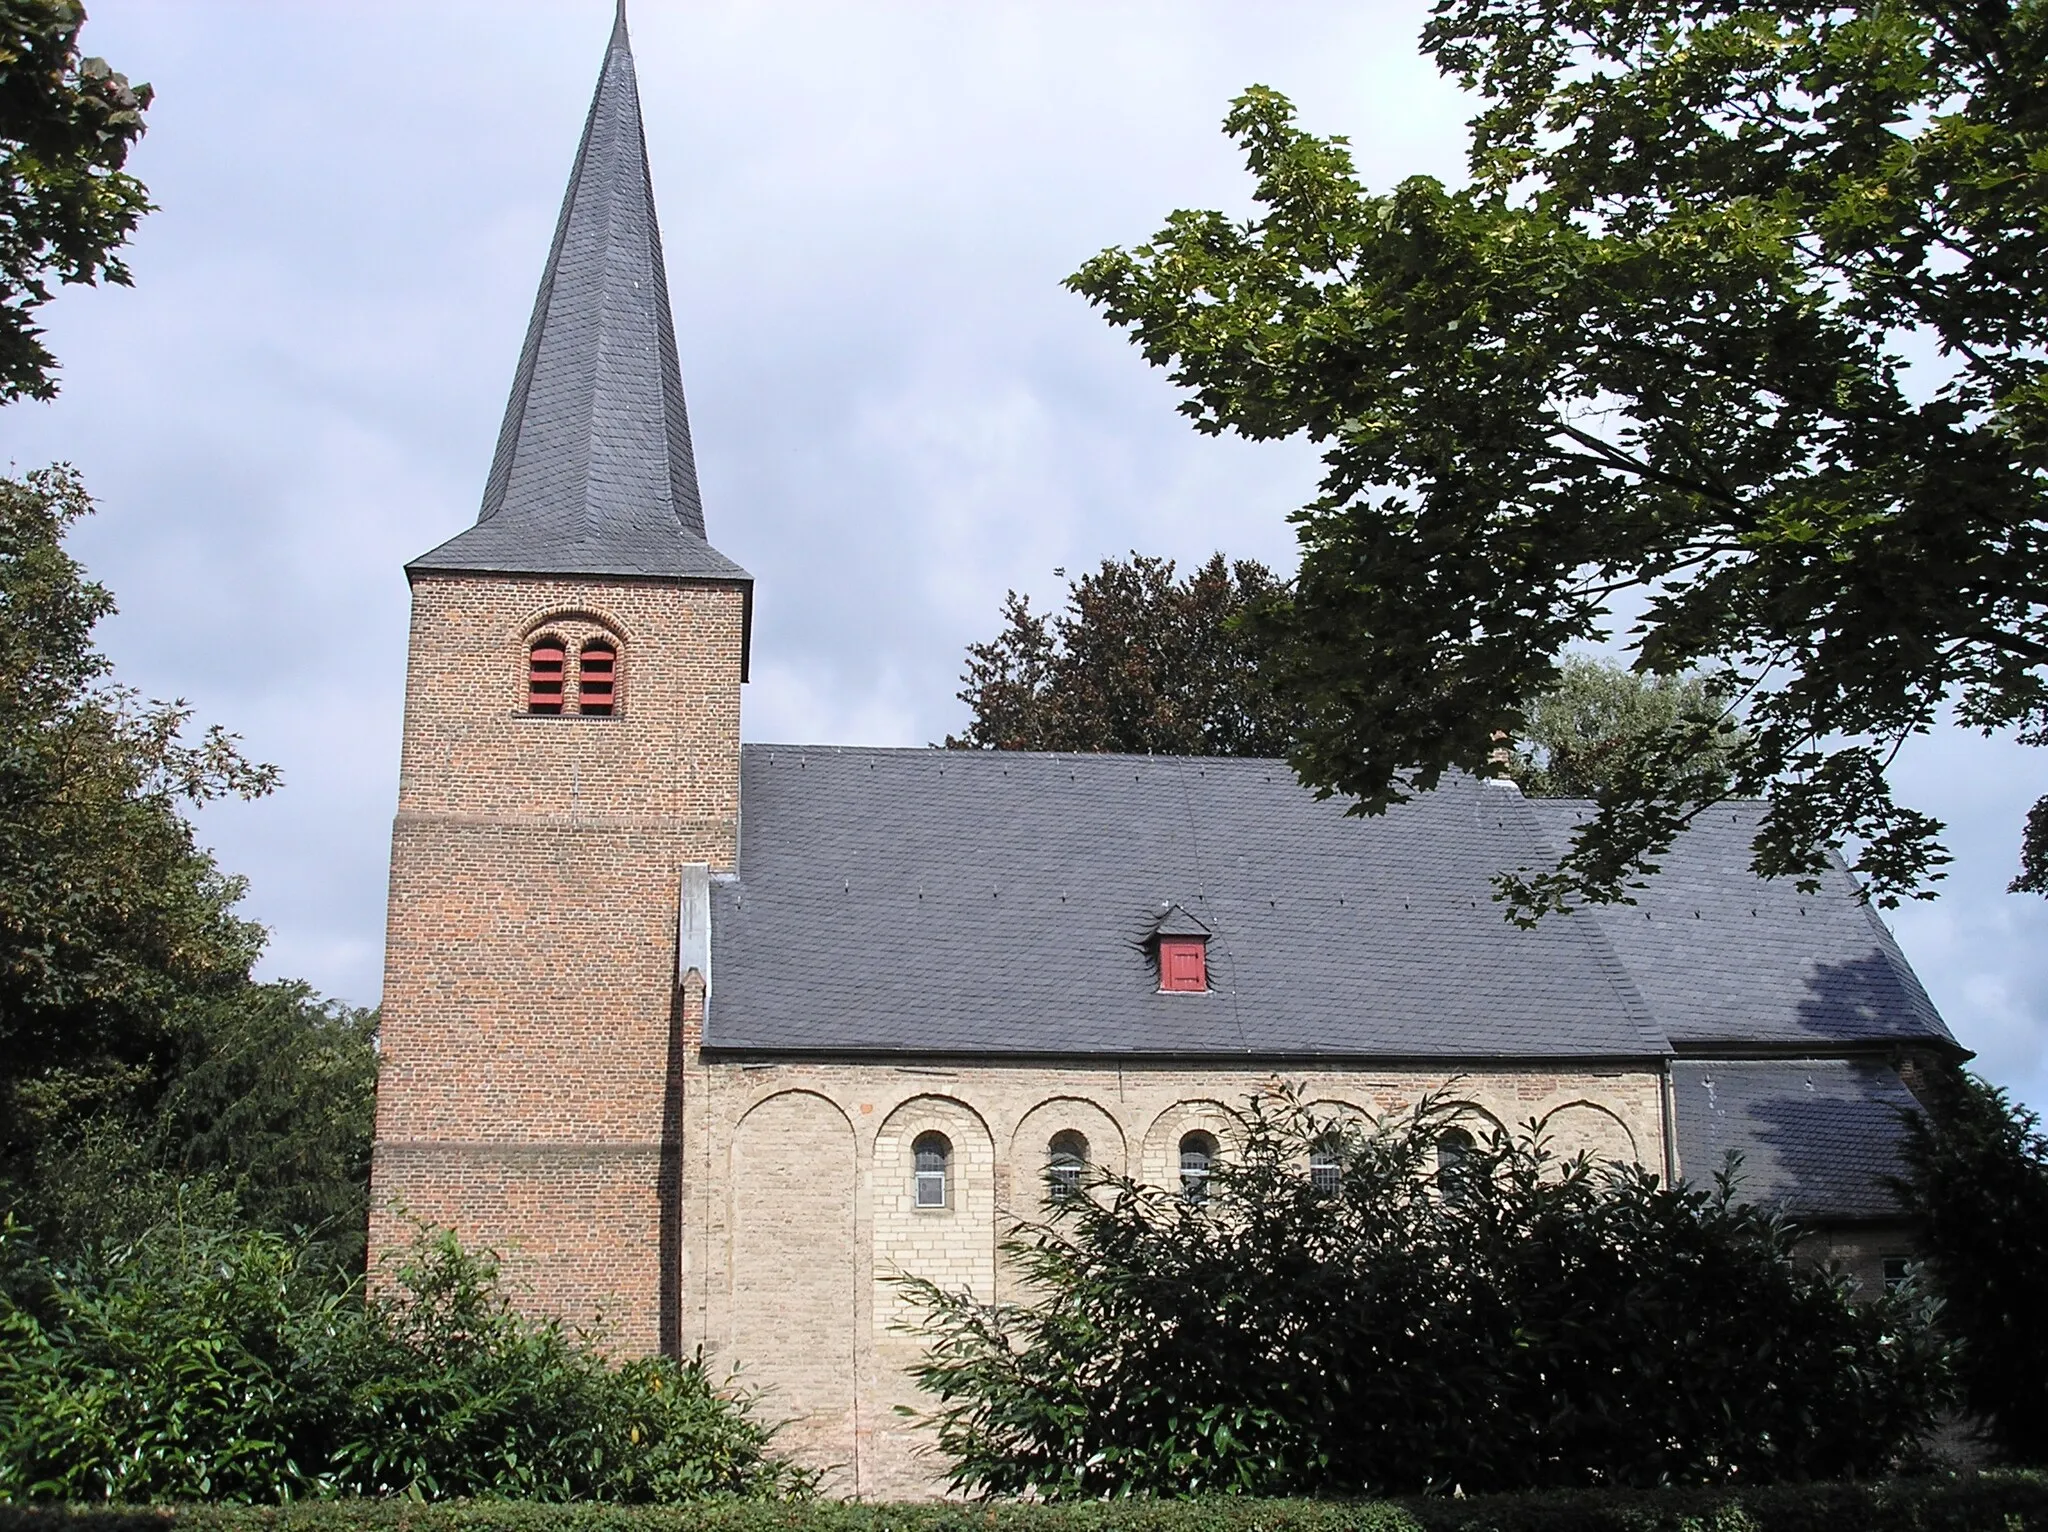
2000 1502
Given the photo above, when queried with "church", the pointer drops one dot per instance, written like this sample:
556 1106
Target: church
713 1040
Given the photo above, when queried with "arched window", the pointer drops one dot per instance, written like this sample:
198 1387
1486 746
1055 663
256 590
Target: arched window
1325 1167
1066 1158
1454 1168
1197 1159
933 1153
596 675
544 676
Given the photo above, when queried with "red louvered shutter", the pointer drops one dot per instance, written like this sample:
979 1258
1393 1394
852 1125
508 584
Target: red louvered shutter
544 678
1183 966
596 669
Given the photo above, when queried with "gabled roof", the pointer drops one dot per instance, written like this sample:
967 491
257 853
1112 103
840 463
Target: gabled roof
1728 959
934 902
594 473
1173 920
1816 1136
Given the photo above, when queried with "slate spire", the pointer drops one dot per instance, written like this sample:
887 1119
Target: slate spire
594 474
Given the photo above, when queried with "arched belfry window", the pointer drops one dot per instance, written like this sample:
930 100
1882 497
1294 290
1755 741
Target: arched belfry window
1066 1160
544 676
1197 1160
597 678
932 1154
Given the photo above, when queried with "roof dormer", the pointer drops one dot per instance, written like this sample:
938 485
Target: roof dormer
1180 945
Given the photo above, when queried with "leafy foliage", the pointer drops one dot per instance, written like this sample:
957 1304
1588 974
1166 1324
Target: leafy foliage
1978 1189
2015 1502
1527 1322
265 1120
142 1071
66 205
1742 320
200 1365
119 945
1139 662
1591 728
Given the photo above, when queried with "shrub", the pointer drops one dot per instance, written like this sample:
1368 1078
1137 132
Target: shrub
1978 1186
1526 1321
197 1365
1988 1503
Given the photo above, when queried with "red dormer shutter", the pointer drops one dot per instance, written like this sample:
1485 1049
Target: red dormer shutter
544 678
1183 965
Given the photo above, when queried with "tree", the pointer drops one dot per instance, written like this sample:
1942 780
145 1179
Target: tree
66 205
1741 320
1140 661
1586 730
1977 1187
113 923
1401 1322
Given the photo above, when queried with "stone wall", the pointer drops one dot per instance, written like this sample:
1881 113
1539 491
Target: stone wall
799 1206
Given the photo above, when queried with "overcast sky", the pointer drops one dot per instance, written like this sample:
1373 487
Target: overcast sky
898 412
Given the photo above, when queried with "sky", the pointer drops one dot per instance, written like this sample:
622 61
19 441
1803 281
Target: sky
898 412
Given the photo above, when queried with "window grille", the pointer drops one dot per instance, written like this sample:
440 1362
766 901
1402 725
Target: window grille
1197 1159
1325 1169
1066 1159
596 671
544 676
933 1154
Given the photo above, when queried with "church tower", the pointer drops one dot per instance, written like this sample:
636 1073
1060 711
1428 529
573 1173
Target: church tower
570 766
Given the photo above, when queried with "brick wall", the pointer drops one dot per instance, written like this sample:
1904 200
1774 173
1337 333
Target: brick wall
528 1079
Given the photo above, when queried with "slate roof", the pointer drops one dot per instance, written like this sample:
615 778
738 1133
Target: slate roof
1726 958
961 902
594 473
929 901
1816 1135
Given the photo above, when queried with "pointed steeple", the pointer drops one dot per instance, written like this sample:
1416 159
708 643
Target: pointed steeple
594 474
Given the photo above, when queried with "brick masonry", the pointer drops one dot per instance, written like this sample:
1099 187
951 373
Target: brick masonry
543 1091
528 1092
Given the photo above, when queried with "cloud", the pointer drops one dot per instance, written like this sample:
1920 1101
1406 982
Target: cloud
899 413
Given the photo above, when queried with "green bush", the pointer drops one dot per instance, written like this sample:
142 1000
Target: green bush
1991 1503
197 1365
1512 1322
1977 1187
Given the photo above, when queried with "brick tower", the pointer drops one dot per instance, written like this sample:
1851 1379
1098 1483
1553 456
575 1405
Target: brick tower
570 764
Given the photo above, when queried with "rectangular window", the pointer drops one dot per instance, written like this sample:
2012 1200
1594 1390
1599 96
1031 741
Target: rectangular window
1183 965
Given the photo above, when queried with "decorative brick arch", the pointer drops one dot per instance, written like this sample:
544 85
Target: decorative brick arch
1473 1118
791 1187
583 613
953 1246
1094 1121
575 627
1587 1125
1160 1163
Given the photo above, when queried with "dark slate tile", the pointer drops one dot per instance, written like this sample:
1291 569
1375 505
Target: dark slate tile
594 472
1725 957
1816 1136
